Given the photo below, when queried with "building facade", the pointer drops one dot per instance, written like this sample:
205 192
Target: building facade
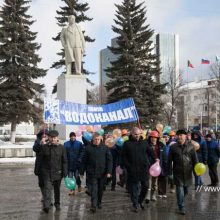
199 105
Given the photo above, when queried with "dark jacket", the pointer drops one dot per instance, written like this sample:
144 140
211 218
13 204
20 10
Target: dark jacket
54 161
184 159
74 151
202 152
137 157
213 152
37 148
97 161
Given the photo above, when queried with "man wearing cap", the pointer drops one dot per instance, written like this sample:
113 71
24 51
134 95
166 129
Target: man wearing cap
74 151
54 167
182 159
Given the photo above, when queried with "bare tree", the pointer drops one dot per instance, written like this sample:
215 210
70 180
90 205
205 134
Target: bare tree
215 73
95 98
170 99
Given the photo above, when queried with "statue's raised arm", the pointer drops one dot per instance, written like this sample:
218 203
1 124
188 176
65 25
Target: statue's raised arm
73 41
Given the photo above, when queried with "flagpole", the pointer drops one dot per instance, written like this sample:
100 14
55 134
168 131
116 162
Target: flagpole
201 116
216 104
187 113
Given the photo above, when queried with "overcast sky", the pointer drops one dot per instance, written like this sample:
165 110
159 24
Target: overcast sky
196 22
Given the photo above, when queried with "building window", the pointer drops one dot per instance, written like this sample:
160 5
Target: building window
195 97
196 121
213 108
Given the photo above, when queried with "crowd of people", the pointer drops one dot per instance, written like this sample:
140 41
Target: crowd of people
100 160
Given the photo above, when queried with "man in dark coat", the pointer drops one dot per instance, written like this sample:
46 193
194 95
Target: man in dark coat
183 156
42 137
136 154
74 151
54 167
97 162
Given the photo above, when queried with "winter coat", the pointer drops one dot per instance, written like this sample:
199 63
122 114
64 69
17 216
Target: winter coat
97 161
181 162
137 157
162 156
202 152
163 160
213 152
74 152
54 161
115 156
37 148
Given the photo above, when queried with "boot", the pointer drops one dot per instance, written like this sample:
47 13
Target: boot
71 192
153 196
79 189
147 200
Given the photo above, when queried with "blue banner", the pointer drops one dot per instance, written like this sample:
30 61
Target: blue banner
69 113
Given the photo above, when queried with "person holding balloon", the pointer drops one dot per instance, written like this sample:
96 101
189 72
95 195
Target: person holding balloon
54 168
97 163
181 160
137 156
202 154
74 151
213 159
156 145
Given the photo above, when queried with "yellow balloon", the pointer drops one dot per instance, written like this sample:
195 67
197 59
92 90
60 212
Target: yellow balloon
200 169
125 138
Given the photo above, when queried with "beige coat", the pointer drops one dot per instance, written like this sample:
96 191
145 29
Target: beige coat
72 39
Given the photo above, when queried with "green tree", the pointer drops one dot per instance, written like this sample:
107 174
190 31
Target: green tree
72 7
136 71
19 93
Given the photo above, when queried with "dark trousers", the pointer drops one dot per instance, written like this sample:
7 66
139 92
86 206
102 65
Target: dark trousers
96 190
76 175
113 177
213 173
48 186
41 184
181 192
162 185
138 191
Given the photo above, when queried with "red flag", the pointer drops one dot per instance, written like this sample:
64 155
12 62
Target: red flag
190 64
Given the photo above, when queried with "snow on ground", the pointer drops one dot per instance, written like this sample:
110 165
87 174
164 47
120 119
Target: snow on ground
17 160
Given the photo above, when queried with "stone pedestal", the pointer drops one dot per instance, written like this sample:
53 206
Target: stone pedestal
70 88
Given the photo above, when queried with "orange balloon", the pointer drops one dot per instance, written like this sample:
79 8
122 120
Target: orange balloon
90 128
